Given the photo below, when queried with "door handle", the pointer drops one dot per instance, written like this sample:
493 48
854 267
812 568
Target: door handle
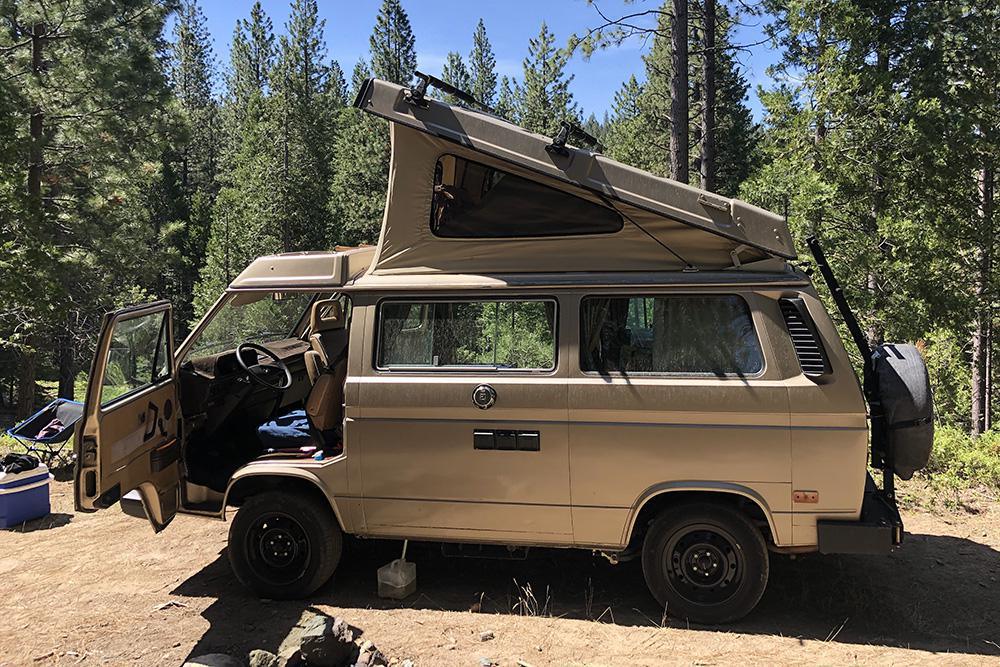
506 440
150 423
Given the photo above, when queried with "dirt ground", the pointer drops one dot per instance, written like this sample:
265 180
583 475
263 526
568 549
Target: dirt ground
103 589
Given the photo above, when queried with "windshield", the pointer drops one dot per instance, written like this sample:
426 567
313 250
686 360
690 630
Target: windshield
251 317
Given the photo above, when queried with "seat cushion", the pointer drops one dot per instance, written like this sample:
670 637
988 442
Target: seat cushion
286 432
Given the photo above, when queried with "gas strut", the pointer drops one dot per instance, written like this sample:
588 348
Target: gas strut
882 456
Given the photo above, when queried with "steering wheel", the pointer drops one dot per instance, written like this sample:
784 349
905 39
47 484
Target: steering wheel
274 375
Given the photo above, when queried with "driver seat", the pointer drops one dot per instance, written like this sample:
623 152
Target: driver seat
320 423
327 337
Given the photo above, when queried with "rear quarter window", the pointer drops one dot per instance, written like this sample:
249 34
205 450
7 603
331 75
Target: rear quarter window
710 335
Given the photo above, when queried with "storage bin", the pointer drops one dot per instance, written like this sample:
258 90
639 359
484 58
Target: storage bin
24 496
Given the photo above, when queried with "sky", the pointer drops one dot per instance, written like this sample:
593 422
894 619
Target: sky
441 26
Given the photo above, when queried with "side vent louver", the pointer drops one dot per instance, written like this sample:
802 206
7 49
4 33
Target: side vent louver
808 346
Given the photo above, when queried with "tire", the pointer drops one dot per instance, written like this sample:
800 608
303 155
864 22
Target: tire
284 545
705 563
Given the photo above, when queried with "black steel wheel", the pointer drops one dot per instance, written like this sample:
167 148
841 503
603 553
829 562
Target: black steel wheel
284 545
705 563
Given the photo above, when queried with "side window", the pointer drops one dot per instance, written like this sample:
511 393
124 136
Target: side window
500 335
687 335
138 357
473 200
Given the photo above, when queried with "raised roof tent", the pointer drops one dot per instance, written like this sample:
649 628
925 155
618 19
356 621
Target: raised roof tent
472 193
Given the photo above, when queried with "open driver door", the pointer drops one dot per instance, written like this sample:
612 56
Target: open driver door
130 437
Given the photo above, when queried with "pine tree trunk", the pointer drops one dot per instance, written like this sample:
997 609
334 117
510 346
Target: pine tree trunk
36 129
25 403
679 93
26 371
982 325
708 100
978 376
67 366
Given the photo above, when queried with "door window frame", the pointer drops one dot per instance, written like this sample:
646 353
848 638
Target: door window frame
492 370
153 384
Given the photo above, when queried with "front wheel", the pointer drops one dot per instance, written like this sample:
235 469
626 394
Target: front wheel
706 563
284 545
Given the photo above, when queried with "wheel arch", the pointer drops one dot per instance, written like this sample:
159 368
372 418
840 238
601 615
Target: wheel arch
660 497
247 482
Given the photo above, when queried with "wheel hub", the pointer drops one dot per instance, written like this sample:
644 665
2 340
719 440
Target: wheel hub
278 549
703 565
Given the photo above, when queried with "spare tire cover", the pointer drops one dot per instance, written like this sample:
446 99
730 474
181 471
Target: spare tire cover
905 390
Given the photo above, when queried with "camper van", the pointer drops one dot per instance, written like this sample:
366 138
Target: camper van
546 348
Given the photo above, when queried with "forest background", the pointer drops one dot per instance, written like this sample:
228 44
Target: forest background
135 165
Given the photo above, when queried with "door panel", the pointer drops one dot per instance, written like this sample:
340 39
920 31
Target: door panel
131 429
421 467
424 470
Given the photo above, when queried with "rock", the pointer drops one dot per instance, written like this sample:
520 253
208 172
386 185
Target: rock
261 658
486 635
293 659
328 642
214 660
488 662
407 663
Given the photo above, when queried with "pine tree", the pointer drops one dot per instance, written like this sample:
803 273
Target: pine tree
655 100
506 106
306 112
183 225
726 134
545 99
251 58
393 48
360 161
336 85
85 83
679 109
361 73
455 73
192 74
628 130
482 67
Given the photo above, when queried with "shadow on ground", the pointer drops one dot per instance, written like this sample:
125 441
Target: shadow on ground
47 522
935 594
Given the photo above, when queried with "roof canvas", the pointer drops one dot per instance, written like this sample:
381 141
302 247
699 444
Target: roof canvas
667 225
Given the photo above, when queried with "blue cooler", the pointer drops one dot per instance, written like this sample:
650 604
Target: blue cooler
24 496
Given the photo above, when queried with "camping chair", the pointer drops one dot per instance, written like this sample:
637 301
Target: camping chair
49 449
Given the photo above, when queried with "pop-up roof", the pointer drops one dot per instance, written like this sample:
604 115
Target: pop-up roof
472 193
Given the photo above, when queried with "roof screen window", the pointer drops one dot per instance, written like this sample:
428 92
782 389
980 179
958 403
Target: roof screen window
473 200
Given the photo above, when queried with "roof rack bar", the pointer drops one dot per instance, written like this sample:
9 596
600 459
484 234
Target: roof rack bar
417 91
567 130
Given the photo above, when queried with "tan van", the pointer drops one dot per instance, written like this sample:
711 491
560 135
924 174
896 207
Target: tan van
545 348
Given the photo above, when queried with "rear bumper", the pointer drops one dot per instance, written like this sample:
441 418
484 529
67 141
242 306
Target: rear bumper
876 532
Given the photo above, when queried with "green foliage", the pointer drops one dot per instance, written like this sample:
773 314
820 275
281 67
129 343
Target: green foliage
393 47
361 177
506 106
455 73
544 98
959 461
482 67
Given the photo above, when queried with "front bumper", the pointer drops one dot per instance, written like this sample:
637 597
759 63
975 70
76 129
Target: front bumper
876 532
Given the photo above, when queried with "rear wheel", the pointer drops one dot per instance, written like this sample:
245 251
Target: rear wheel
284 545
706 563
